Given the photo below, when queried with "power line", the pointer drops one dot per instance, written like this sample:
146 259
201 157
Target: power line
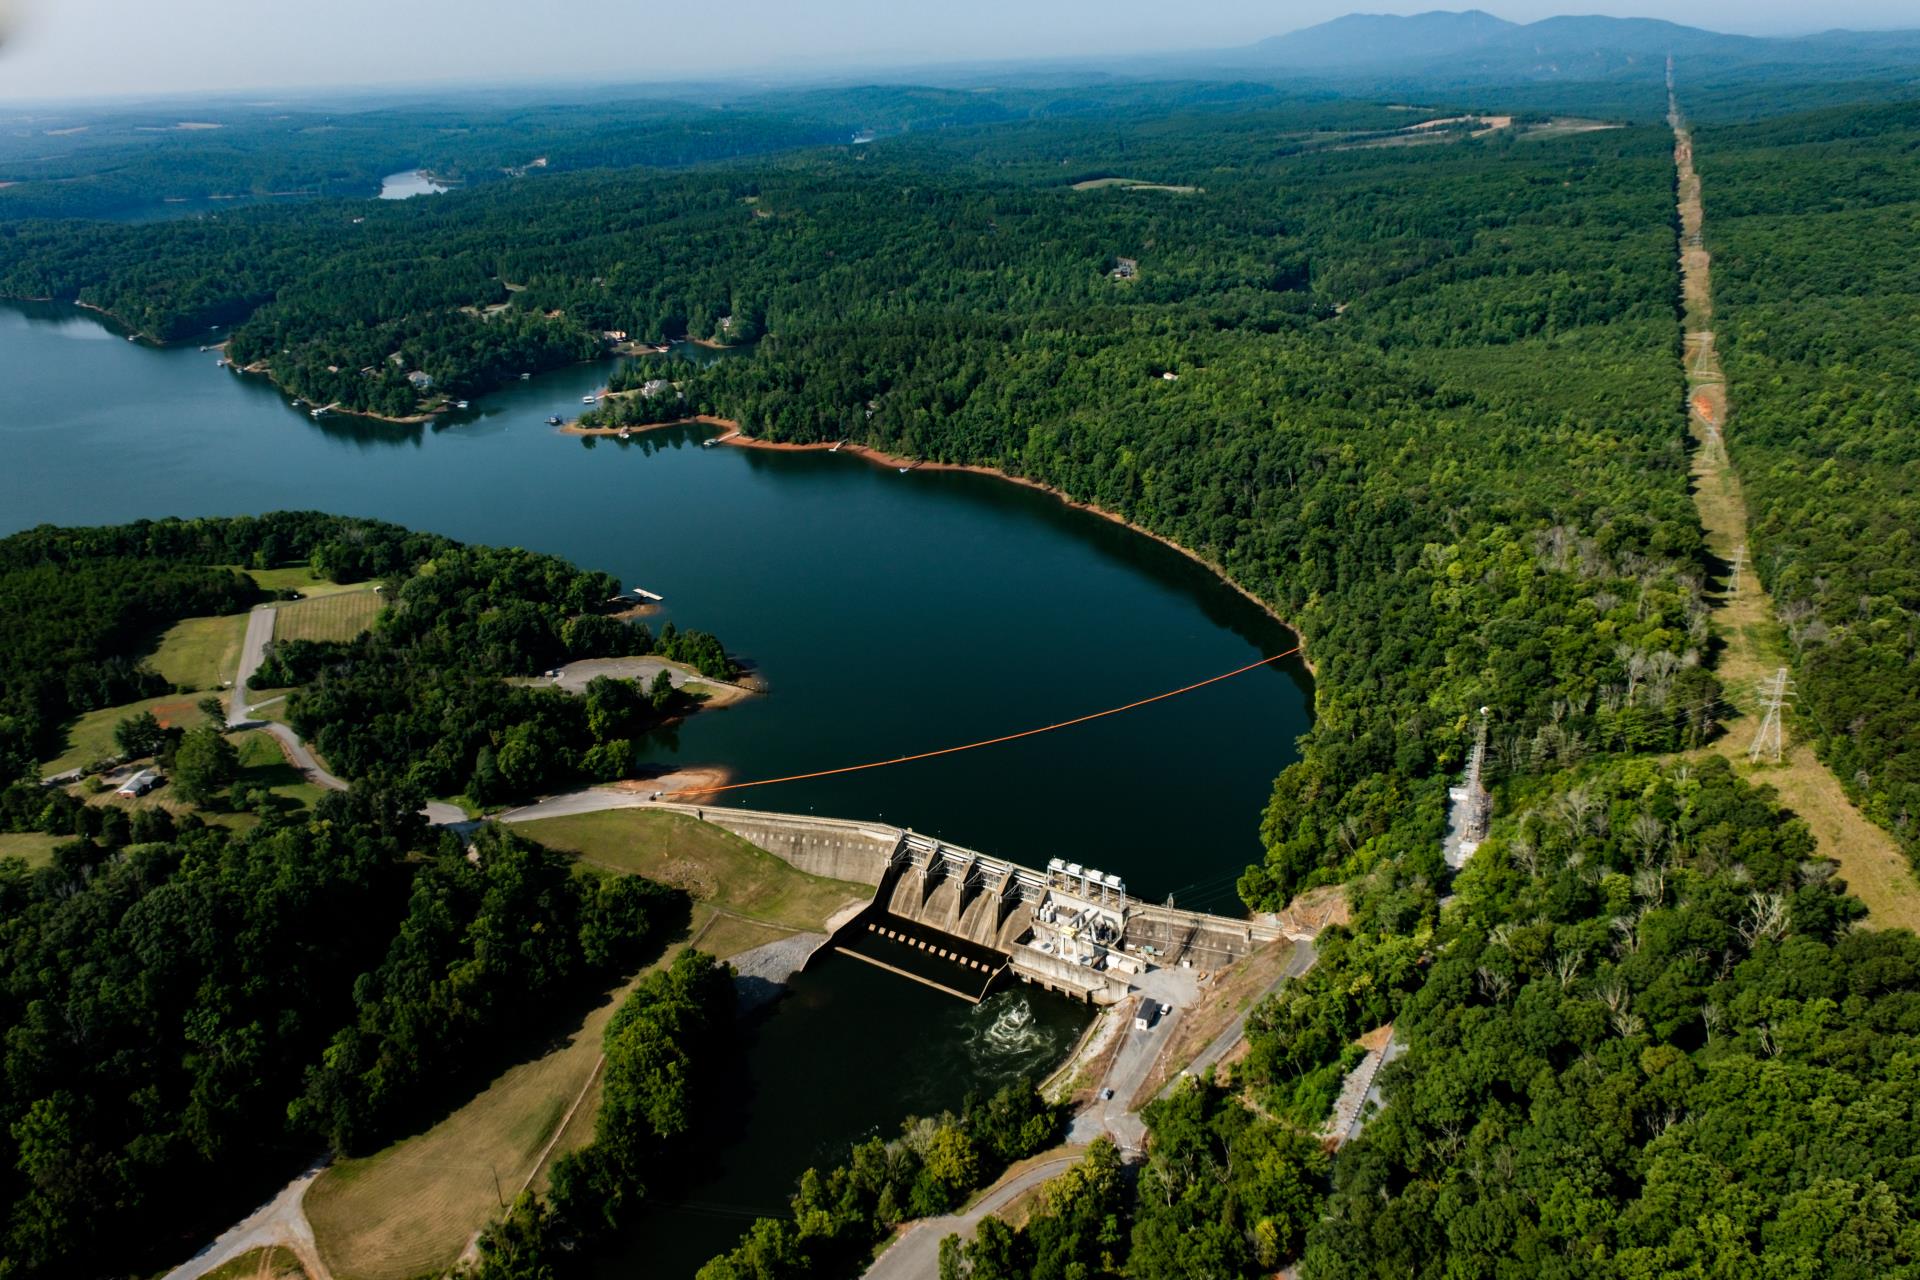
987 742
1767 741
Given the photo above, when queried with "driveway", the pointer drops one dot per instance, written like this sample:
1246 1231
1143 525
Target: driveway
281 1220
253 651
916 1255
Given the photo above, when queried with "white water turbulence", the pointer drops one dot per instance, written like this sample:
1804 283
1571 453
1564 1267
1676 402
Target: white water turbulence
1005 1041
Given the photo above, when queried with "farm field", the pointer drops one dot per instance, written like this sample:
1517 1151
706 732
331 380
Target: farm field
339 616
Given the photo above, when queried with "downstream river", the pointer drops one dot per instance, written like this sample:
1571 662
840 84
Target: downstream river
888 613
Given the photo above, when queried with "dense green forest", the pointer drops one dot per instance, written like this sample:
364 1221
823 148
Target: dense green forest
426 699
1814 224
1649 1045
191 1011
1427 401
1424 400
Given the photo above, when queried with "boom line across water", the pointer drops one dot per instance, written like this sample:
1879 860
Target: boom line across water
986 742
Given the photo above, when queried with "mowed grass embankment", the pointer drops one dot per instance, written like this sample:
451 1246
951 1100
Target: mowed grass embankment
199 654
340 616
717 867
413 1208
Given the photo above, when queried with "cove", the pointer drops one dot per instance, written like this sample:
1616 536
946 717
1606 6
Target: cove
888 613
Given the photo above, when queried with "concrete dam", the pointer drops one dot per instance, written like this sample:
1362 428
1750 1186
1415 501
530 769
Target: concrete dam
966 922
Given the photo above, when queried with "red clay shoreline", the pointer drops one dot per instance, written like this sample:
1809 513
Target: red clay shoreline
869 454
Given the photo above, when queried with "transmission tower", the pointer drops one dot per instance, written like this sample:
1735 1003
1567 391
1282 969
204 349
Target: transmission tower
1773 696
1479 801
1739 561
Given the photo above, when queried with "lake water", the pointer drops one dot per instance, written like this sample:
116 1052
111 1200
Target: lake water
889 613
412 182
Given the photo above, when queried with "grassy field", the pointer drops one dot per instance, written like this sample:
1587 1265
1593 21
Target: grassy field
199 654
264 764
273 1263
298 578
713 865
37 849
90 737
412 1208
340 616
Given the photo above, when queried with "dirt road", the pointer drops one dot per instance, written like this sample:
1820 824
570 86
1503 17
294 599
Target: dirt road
1870 861
280 1221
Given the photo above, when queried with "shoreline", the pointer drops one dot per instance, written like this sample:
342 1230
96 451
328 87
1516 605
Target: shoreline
879 458
697 420
876 457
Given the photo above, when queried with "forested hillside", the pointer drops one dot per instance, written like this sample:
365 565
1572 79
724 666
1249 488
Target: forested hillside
1814 224
1424 400
191 1011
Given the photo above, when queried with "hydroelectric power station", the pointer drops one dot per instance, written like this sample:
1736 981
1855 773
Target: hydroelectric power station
966 922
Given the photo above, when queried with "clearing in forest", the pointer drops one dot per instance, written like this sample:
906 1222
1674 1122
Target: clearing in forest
413 1208
340 616
1755 646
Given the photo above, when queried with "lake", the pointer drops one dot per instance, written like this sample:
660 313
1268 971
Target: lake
410 183
888 613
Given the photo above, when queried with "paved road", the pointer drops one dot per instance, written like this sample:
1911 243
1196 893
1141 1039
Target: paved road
281 1220
253 651
916 1255
1139 1050
574 676
302 758
1298 963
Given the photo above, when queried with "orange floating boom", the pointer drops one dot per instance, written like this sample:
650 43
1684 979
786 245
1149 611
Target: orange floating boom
986 742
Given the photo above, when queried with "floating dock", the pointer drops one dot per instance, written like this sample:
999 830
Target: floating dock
645 594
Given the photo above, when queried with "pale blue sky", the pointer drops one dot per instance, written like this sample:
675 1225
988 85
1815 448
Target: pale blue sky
94 48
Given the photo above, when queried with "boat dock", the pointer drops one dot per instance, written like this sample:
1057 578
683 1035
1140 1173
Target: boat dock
644 594
708 444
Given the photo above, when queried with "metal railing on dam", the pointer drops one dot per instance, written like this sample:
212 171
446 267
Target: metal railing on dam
1067 927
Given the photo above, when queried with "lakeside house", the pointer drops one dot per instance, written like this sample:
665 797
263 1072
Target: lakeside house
421 380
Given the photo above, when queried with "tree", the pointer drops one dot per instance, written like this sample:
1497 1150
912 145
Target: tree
204 764
139 735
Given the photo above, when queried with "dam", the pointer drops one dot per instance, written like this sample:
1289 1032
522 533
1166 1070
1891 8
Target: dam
967 922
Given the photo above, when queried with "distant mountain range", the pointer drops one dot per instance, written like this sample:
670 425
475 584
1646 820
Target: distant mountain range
1473 46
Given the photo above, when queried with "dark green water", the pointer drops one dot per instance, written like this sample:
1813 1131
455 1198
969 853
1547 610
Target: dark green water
890 613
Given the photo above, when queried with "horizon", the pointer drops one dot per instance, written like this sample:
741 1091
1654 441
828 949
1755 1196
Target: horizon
55 55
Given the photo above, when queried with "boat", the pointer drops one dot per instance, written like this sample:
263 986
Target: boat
624 433
459 404
904 470
588 399
525 376
553 420
131 338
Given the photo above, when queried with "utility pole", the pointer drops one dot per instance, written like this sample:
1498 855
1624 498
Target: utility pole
1773 696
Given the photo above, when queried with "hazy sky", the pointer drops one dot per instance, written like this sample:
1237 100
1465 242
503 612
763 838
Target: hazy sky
94 48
